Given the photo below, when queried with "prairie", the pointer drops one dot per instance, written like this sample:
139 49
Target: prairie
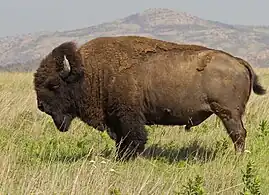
38 159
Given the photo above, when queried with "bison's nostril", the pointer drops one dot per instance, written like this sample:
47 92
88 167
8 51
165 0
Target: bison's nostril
40 107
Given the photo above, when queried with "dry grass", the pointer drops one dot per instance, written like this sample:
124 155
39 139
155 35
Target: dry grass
38 159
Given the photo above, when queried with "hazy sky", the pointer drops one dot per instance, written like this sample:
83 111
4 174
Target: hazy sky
23 16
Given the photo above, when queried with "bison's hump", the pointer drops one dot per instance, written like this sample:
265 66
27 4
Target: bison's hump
127 51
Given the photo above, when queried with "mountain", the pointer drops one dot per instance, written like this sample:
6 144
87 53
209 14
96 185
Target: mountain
249 42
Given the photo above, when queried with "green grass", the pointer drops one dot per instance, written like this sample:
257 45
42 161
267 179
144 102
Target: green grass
38 159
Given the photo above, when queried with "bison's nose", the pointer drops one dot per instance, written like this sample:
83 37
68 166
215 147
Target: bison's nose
40 106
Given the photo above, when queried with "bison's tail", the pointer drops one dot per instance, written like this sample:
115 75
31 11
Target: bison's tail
256 86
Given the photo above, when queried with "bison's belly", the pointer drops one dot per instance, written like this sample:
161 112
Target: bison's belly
183 116
165 120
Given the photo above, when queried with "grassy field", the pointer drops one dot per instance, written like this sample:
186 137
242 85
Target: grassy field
38 159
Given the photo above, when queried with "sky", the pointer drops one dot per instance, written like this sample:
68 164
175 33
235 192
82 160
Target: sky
28 16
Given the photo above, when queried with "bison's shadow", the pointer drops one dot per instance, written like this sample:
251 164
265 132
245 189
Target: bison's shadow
192 152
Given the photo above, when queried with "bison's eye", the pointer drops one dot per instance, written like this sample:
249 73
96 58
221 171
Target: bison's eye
55 86
52 87
52 83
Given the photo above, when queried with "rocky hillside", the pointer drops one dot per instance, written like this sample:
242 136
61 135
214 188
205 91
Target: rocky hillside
249 42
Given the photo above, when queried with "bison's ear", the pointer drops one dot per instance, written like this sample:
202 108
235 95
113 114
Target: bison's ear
68 62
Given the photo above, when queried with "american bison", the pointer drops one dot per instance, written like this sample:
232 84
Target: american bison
126 82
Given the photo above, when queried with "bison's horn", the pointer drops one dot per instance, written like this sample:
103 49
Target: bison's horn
66 69
66 64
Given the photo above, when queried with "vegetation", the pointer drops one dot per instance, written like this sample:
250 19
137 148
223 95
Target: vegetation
38 159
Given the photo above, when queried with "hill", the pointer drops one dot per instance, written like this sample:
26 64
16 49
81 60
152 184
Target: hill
249 42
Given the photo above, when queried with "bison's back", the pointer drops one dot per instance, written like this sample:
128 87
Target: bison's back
124 52
140 44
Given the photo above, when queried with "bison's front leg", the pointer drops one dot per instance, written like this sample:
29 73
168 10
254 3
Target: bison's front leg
131 136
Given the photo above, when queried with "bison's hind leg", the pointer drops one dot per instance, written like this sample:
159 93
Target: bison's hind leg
232 120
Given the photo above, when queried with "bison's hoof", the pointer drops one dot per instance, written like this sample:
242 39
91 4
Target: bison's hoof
187 128
128 153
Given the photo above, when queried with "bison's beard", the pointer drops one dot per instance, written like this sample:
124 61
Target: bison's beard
62 122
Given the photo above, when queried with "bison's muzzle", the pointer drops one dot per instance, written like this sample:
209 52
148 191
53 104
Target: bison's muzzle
62 122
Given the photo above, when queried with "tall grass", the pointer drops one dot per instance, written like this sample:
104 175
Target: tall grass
38 159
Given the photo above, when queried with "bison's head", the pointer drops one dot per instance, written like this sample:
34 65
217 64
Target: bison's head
56 81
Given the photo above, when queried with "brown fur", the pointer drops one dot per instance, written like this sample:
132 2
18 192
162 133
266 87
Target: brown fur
122 83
